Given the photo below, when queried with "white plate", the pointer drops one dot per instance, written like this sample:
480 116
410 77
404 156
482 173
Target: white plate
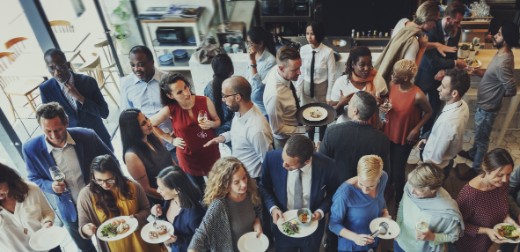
131 221
47 238
162 238
506 240
304 230
308 113
249 243
393 228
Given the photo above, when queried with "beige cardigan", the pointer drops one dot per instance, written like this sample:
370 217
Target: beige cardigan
87 213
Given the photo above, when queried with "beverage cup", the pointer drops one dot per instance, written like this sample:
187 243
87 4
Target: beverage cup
235 48
227 47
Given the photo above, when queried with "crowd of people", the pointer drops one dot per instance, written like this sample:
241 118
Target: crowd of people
170 139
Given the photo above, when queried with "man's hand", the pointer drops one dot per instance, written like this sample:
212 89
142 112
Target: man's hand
460 64
316 215
58 187
277 215
439 75
89 229
216 140
72 91
413 136
443 49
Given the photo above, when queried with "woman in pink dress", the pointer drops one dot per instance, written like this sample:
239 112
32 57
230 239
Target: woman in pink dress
194 119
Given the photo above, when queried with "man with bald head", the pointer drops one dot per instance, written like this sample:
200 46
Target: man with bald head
250 134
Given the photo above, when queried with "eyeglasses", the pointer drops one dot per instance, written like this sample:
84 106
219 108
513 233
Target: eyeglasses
109 181
60 67
226 96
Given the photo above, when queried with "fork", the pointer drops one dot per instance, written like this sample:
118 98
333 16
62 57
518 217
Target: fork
154 224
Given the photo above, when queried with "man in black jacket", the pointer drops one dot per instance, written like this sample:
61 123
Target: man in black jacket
433 64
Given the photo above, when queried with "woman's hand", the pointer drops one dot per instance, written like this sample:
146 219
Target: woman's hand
493 236
257 227
178 142
156 210
423 41
173 239
362 239
47 224
89 229
207 124
386 214
425 236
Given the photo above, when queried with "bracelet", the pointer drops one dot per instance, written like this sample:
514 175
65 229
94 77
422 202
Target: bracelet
253 65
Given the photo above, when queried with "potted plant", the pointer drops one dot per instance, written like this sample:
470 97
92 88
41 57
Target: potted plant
463 51
119 17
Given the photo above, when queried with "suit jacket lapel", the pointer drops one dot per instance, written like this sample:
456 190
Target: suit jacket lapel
283 182
315 183
49 160
81 158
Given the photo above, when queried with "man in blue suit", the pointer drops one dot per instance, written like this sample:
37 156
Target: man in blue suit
78 94
72 150
295 178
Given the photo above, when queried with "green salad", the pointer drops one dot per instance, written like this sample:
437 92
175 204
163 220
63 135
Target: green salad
109 230
290 227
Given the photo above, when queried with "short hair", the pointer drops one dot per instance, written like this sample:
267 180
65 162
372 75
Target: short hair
299 146
427 11
173 177
370 167
353 58
426 175
54 51
496 159
454 8
51 110
460 80
407 67
240 86
141 49
365 103
18 189
165 83
318 29
287 53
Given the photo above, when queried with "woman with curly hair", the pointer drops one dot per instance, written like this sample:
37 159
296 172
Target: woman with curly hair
234 208
111 194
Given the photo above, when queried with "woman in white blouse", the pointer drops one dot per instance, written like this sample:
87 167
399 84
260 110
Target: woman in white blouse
23 211
261 50
317 78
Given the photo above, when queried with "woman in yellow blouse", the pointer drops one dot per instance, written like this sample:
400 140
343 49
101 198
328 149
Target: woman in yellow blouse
111 194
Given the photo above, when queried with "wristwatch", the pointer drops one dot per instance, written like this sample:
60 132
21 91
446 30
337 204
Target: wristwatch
253 65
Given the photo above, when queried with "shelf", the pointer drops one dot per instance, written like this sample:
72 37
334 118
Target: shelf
285 18
159 46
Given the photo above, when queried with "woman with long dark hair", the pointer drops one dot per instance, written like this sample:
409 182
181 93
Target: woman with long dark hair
181 206
261 51
143 153
23 211
108 195
222 69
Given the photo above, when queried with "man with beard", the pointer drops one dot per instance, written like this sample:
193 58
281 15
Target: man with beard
497 82
141 90
250 134
431 71
78 94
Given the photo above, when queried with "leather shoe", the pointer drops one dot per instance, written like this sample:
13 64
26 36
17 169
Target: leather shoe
465 154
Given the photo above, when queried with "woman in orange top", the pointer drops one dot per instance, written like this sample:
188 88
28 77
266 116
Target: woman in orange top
410 111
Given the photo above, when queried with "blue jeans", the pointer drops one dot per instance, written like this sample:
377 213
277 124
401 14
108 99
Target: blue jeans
83 245
483 125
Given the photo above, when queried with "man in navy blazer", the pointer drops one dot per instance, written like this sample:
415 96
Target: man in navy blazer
72 150
78 94
280 172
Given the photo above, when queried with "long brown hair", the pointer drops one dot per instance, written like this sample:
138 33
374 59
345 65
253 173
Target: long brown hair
18 189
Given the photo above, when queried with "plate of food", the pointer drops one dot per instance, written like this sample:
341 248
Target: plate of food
392 228
510 232
292 226
117 228
473 63
250 243
315 113
47 238
158 234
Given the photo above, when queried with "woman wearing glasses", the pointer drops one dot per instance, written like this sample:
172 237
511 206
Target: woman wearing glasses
111 194
359 75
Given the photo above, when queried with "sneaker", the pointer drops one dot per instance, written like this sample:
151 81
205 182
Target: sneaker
466 155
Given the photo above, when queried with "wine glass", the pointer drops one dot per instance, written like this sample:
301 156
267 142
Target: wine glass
202 117
56 174
384 109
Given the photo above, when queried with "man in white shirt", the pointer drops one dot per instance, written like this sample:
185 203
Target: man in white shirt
250 134
280 99
447 134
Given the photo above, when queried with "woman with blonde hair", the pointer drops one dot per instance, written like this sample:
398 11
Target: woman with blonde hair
234 208
483 202
432 218
358 201
410 111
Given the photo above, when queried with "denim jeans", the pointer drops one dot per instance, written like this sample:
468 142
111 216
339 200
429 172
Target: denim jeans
483 125
84 245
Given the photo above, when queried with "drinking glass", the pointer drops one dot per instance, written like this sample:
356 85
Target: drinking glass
384 109
202 117
56 174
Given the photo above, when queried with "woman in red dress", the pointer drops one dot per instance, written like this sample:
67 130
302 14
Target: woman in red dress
194 119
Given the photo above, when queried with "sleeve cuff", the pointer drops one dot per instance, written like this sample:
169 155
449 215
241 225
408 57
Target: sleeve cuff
271 209
321 213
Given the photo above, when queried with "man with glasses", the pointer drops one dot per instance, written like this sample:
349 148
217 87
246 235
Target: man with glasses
78 94
71 150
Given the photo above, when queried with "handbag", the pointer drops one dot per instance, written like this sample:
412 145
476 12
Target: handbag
205 53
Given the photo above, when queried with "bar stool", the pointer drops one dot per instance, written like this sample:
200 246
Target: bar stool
513 106
93 69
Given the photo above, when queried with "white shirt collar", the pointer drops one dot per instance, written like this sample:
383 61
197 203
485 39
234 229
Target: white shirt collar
306 168
156 76
68 141
452 106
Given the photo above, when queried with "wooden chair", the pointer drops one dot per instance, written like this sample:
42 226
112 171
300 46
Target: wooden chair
61 26
16 86
93 69
110 63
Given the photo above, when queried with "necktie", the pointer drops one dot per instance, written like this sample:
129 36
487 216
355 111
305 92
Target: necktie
312 73
293 90
298 191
